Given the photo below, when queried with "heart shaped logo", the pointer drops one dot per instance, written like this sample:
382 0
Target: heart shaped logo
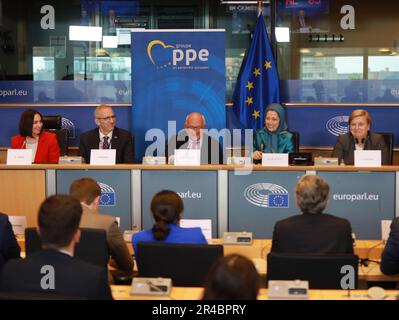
153 43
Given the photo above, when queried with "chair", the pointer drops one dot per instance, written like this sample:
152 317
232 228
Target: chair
322 271
92 247
295 140
53 124
186 264
388 138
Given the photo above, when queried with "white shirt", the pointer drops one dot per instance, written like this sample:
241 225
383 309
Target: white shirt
192 144
32 146
102 139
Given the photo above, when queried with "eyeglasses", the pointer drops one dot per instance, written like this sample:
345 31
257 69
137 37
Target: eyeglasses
108 118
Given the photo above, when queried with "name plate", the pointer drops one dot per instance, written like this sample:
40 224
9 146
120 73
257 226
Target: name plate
367 158
19 157
187 157
275 159
103 157
154 160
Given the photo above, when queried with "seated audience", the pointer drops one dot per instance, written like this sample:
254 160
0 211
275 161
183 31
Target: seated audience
312 231
274 137
167 208
193 137
88 192
390 255
107 136
54 270
44 144
9 248
233 277
359 137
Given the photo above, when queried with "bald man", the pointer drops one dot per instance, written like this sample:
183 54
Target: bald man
193 137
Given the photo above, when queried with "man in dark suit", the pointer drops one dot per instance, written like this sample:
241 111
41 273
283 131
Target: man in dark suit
54 270
107 136
193 137
9 248
312 231
390 255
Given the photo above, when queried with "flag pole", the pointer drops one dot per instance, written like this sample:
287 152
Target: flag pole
260 4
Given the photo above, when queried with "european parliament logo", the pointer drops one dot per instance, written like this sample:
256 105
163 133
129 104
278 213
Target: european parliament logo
69 125
267 195
338 125
107 195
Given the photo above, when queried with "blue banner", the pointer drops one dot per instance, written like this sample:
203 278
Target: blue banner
175 73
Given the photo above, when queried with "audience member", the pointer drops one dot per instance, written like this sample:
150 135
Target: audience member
167 208
390 255
9 248
88 192
233 277
312 231
54 270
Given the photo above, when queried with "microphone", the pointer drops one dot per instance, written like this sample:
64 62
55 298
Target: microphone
261 147
24 144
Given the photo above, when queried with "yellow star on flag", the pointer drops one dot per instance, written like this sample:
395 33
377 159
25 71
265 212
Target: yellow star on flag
256 72
268 65
249 100
256 114
250 85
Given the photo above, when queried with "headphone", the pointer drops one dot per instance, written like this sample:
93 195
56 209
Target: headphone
365 262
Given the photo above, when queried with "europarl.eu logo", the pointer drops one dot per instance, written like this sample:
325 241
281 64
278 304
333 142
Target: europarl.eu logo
337 125
69 125
267 195
107 195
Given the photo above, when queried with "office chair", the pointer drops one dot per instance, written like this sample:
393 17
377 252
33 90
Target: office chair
186 264
295 140
322 271
389 139
53 124
92 247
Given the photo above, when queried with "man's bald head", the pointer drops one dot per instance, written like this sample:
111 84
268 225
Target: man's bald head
195 121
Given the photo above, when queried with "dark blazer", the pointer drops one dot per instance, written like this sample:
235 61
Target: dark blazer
122 141
73 277
9 248
312 233
47 151
390 255
209 148
345 147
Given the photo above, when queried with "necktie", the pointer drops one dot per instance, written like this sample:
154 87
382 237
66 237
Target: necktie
105 142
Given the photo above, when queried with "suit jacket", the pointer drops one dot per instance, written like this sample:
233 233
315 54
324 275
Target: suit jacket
9 248
73 277
390 255
116 245
122 141
47 151
211 152
312 233
345 147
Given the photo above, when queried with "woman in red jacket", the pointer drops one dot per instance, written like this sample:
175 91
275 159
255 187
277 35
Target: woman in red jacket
44 144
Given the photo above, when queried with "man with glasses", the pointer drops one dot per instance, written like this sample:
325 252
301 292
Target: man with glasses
107 136
194 137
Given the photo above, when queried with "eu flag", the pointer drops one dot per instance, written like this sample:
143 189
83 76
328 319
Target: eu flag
257 84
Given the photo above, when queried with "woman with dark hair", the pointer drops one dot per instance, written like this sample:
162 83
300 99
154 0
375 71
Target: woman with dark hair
44 144
167 208
233 277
